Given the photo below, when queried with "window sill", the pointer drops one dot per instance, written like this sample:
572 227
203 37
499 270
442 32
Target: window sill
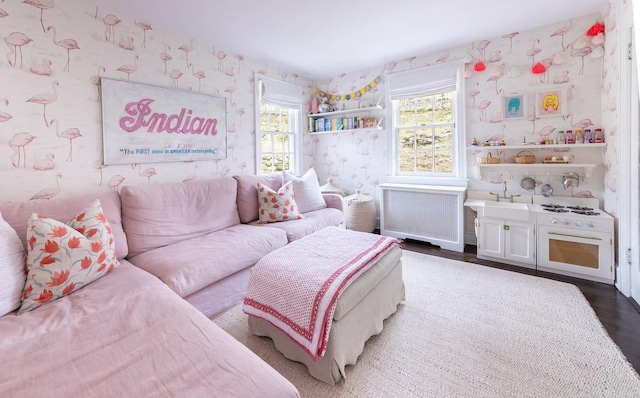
441 181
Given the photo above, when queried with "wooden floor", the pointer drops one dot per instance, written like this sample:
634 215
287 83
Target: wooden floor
615 311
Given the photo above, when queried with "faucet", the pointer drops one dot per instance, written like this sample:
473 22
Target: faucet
504 193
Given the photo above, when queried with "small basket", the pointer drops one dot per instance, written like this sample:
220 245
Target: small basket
525 157
488 160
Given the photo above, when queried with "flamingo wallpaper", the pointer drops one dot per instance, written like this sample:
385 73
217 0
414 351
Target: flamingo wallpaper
50 111
567 60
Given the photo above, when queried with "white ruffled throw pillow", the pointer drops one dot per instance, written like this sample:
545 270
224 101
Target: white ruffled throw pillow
306 190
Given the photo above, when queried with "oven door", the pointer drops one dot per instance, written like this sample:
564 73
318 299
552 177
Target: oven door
579 253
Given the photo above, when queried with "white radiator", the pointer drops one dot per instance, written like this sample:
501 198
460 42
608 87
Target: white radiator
426 213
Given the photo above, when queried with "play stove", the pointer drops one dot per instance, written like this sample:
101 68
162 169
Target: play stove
575 238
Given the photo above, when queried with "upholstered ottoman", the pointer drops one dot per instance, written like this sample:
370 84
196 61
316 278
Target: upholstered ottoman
359 310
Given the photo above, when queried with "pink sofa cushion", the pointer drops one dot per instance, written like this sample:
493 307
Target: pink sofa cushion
190 265
159 215
17 214
313 221
248 193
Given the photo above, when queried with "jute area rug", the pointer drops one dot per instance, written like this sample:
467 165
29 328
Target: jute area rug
471 331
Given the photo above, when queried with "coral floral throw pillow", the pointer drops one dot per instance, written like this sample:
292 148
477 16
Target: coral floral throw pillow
276 206
62 258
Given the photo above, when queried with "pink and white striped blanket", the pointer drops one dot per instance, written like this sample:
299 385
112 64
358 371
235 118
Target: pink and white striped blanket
296 288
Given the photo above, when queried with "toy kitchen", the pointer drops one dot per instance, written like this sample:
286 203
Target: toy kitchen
563 235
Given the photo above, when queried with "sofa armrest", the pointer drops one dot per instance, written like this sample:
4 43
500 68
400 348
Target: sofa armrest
334 201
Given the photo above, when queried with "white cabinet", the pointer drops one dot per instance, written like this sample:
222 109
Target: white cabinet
347 120
511 242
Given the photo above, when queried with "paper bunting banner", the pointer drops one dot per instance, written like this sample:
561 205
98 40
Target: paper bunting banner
354 95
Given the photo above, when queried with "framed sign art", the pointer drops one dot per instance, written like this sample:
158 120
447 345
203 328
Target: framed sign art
150 124
550 103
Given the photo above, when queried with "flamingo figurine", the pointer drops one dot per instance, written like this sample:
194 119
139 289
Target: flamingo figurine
17 143
67 44
69 134
49 193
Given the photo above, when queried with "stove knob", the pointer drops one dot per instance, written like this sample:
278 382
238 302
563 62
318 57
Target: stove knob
578 223
566 222
591 224
554 220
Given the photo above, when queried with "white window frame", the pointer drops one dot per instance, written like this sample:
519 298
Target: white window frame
425 81
276 92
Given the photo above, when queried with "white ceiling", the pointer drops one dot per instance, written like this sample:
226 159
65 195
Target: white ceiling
319 39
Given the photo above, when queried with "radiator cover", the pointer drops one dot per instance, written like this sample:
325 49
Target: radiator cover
428 213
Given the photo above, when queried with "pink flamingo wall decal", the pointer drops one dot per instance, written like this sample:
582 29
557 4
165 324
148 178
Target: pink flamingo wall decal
129 69
98 165
44 99
561 31
580 52
545 132
70 134
198 75
240 58
41 5
67 44
17 144
496 74
175 75
165 56
580 124
533 51
42 69
15 41
482 107
45 163
221 55
3 115
187 48
95 80
126 43
110 21
114 182
49 193
510 36
149 172
145 27
482 46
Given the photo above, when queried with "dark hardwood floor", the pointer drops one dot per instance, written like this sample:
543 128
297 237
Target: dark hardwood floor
616 312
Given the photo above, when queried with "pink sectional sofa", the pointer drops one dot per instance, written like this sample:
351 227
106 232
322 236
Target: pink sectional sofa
185 252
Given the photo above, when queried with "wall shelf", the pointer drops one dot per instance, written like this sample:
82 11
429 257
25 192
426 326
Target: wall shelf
537 168
342 116
345 131
346 111
537 146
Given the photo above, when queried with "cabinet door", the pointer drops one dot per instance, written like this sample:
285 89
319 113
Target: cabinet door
520 242
490 237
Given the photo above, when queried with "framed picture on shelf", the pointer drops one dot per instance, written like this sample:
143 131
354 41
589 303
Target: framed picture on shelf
514 106
550 103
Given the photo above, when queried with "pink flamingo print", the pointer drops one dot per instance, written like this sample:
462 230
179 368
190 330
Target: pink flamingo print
482 107
533 118
149 172
126 43
496 74
221 55
15 41
563 77
17 144
510 36
5 116
496 56
533 51
45 163
110 21
165 57
580 124
198 75
193 176
580 52
230 90
545 132
114 182
129 69
561 31
42 69
240 58
44 99
42 5
95 80
474 93
187 48
482 46
67 44
98 165
3 13
175 75
70 134
49 193
145 27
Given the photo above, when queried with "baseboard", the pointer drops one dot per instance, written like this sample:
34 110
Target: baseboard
635 303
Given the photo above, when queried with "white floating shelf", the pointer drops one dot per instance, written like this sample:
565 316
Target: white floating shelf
537 146
538 168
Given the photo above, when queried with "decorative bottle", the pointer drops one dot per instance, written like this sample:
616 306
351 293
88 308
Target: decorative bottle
588 137
579 137
560 138
599 139
569 137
